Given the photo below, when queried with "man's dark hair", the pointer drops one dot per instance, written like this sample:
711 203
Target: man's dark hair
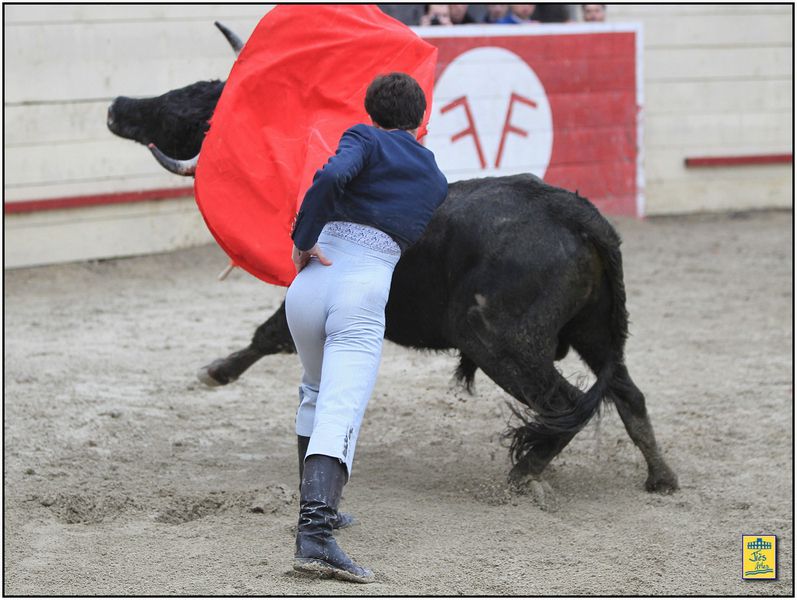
395 101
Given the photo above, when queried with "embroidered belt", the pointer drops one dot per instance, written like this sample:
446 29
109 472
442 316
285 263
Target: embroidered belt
363 235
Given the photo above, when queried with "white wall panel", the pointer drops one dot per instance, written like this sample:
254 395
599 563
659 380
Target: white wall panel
98 232
736 29
41 124
739 133
96 166
90 13
718 82
81 161
640 12
93 61
717 97
723 63
721 189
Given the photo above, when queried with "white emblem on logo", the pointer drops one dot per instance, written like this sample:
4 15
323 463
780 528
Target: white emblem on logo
490 116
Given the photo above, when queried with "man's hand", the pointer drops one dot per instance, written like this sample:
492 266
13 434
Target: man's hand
302 257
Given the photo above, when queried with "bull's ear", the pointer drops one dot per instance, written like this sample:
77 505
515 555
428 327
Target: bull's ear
234 40
186 168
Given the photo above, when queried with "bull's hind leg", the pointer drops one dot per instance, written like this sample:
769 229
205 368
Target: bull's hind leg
630 403
532 449
539 456
591 341
520 359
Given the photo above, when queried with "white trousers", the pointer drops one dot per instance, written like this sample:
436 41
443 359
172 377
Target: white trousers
336 315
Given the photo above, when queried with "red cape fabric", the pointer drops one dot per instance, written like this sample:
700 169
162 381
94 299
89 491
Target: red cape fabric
297 85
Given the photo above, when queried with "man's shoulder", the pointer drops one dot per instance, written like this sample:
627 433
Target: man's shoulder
390 140
362 130
360 135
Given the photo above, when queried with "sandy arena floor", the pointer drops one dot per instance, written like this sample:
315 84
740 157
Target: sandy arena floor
124 475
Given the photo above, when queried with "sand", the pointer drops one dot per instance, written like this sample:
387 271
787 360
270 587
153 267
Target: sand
125 475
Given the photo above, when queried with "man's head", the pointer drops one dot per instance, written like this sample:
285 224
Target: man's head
437 14
496 12
457 12
395 101
594 12
523 11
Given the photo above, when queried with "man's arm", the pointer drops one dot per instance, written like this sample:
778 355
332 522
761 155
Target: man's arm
329 183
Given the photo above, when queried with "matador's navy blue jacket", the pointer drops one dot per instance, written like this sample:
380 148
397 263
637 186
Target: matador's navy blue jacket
384 179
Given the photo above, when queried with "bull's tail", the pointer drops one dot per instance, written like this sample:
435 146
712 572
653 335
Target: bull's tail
547 423
574 408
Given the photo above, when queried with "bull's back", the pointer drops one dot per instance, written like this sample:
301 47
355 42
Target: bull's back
510 238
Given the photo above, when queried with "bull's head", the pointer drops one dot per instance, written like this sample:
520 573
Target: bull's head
172 125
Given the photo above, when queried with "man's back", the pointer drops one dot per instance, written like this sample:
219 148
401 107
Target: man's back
381 178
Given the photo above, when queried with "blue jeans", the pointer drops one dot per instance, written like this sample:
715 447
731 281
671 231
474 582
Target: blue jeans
336 315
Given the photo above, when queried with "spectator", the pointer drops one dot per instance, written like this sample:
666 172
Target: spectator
409 14
437 14
552 13
459 14
519 13
593 13
495 12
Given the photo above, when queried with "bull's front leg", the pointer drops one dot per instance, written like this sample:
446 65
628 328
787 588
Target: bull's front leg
272 337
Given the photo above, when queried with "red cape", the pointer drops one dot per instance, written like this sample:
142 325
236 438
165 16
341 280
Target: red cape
297 85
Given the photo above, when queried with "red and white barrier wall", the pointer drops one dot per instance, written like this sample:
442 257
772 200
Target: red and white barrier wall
664 109
560 101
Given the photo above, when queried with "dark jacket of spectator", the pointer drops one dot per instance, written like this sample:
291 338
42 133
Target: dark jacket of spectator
409 14
552 13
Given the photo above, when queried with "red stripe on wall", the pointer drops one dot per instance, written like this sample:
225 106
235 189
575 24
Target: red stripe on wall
732 161
24 206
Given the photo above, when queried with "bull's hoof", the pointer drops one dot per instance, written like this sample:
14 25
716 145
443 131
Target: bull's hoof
212 376
540 490
662 482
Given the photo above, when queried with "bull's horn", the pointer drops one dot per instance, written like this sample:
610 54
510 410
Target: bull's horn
234 40
180 167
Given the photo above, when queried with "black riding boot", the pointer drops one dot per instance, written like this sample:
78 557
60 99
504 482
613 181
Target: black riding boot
342 520
316 549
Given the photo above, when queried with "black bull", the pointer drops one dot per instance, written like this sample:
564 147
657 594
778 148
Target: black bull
511 272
